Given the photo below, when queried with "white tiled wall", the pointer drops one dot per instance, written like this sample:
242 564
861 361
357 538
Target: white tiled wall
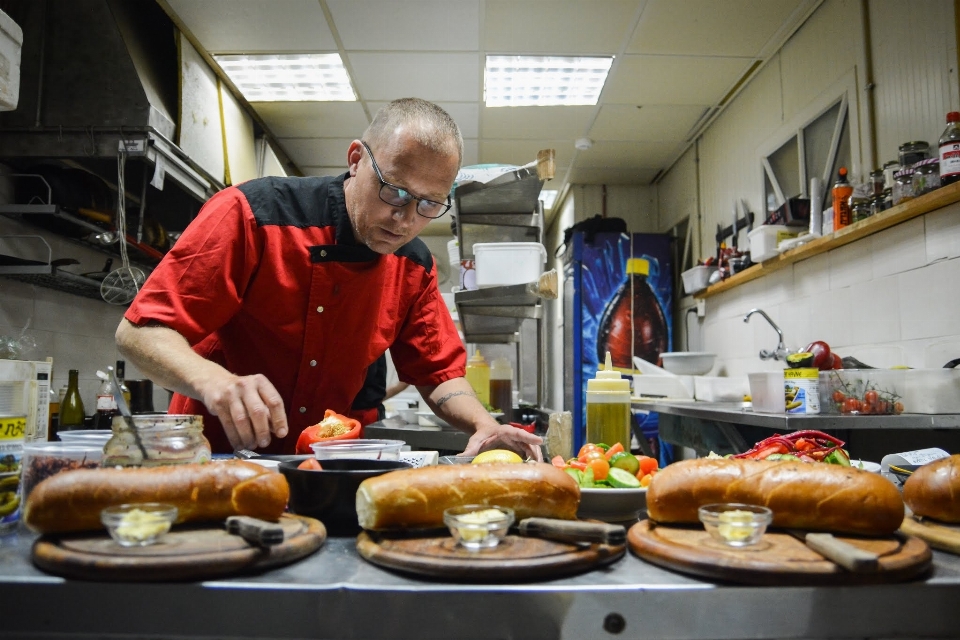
887 299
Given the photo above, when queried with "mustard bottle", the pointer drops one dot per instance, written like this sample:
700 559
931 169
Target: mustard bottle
478 375
608 407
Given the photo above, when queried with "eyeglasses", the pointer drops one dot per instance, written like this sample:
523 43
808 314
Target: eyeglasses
400 197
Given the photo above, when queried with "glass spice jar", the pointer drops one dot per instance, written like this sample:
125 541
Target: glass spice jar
911 153
876 182
860 208
902 186
926 176
160 439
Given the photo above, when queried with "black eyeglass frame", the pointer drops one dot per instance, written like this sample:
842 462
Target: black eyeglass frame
402 201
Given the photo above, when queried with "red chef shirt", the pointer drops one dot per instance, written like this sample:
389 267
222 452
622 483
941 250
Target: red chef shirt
269 279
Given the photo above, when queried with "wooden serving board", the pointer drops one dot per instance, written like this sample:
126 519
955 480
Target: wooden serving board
515 559
185 553
938 535
778 559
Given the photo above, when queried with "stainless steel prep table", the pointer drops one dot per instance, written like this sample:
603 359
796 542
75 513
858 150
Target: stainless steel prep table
336 594
706 426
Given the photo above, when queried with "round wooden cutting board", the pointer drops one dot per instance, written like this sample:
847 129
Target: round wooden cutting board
939 535
515 559
185 553
778 559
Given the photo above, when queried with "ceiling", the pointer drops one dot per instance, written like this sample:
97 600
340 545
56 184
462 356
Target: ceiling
676 64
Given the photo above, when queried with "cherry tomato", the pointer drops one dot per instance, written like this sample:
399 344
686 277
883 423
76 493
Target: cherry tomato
647 464
898 407
600 466
871 397
838 396
850 405
587 447
594 455
310 464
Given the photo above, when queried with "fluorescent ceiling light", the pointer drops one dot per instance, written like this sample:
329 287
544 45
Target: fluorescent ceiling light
520 81
549 197
297 77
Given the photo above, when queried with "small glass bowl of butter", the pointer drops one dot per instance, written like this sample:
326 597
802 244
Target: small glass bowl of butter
736 525
476 526
138 525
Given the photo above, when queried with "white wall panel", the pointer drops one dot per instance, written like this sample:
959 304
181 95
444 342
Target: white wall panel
914 51
677 194
635 204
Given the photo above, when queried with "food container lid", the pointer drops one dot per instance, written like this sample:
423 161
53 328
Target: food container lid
914 145
903 172
926 162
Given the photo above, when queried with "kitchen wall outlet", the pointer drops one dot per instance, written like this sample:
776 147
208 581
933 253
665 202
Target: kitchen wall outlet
701 307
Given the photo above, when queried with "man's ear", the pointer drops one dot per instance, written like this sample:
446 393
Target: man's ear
354 156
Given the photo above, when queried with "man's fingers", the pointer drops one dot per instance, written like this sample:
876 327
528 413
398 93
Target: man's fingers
277 415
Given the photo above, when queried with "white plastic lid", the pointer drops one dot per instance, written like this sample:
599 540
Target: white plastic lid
609 381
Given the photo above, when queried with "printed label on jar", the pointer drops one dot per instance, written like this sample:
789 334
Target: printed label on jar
801 390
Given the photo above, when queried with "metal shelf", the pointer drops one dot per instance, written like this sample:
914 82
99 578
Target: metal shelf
47 274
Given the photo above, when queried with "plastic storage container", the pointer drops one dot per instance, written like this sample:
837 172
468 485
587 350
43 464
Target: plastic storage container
160 439
720 388
863 392
931 390
766 391
696 279
765 238
44 459
505 263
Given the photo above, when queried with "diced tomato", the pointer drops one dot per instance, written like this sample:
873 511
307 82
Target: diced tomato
803 444
600 466
614 450
576 464
559 462
647 465
585 448
310 464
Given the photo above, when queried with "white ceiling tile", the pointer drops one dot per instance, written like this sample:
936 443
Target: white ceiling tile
520 152
536 122
673 80
465 114
710 28
453 77
248 26
653 123
425 25
635 155
313 119
612 176
558 26
317 152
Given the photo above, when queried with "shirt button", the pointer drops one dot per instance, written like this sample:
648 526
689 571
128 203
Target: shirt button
313 363
323 253
319 309
303 409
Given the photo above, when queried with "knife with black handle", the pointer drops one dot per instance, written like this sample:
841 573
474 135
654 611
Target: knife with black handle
573 530
255 531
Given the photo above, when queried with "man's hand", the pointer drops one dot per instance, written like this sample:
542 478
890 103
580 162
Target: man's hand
493 436
249 408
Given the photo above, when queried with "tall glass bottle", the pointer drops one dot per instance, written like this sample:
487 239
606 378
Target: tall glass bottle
71 408
106 403
950 150
121 376
633 323
608 407
501 387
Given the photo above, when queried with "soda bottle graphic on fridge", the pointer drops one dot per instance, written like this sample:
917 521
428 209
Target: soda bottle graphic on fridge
633 323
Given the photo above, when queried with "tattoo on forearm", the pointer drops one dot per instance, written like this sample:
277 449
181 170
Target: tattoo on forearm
453 395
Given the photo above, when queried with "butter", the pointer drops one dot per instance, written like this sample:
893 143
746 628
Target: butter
736 525
477 522
139 525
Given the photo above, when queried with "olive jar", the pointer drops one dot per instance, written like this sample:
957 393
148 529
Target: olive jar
159 439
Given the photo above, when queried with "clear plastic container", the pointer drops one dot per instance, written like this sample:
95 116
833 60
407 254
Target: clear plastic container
357 449
44 459
862 391
160 439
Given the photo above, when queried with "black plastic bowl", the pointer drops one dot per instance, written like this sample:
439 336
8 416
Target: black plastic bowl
330 495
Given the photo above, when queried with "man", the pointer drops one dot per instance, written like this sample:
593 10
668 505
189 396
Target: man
277 302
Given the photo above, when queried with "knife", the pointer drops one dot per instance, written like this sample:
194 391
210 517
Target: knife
573 530
255 531
844 554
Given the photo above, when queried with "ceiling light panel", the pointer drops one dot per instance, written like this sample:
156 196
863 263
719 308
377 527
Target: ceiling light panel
295 77
515 81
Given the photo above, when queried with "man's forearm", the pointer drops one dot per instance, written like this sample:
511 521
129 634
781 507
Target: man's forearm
455 402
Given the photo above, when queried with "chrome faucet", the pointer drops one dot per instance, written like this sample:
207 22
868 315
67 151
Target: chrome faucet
781 352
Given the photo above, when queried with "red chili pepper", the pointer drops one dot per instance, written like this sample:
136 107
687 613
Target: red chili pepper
816 435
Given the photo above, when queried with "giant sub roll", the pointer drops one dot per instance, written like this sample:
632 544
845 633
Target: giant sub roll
802 495
934 490
417 498
72 500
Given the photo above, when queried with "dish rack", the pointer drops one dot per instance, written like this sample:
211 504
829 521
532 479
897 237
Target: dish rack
420 458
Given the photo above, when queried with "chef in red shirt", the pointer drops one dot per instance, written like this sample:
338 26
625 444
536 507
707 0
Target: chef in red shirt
278 301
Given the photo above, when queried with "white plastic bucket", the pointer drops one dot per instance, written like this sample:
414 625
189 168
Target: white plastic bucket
505 263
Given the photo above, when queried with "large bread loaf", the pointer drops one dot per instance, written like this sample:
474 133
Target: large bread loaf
934 490
72 500
417 498
802 495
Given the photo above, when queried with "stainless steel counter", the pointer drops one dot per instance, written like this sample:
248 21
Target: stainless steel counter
336 594
418 437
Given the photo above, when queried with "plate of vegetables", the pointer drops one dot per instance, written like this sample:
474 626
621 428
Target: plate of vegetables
807 446
613 482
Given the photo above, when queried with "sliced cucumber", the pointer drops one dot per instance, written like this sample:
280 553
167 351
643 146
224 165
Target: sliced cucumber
622 479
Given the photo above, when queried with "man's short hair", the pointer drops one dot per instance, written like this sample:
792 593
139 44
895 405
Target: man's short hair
435 128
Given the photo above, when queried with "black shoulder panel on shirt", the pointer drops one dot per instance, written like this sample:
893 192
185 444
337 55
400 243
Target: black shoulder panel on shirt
416 251
293 201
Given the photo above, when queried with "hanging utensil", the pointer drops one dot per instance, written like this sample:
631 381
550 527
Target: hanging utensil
122 285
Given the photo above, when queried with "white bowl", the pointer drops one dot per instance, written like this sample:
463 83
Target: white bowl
688 363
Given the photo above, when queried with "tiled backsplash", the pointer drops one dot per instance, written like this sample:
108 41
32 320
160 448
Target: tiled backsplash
887 299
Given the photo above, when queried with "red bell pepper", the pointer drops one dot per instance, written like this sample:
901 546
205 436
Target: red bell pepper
315 433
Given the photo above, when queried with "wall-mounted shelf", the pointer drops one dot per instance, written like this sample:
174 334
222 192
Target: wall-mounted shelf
48 274
874 224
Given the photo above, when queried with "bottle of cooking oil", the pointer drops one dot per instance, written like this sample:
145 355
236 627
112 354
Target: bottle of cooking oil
478 375
608 407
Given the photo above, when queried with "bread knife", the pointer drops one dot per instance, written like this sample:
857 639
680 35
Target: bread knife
573 530
842 553
255 531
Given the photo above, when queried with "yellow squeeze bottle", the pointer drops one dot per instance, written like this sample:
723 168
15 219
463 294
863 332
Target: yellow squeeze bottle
608 407
478 375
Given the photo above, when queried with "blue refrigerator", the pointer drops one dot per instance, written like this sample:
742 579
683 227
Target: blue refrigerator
618 294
